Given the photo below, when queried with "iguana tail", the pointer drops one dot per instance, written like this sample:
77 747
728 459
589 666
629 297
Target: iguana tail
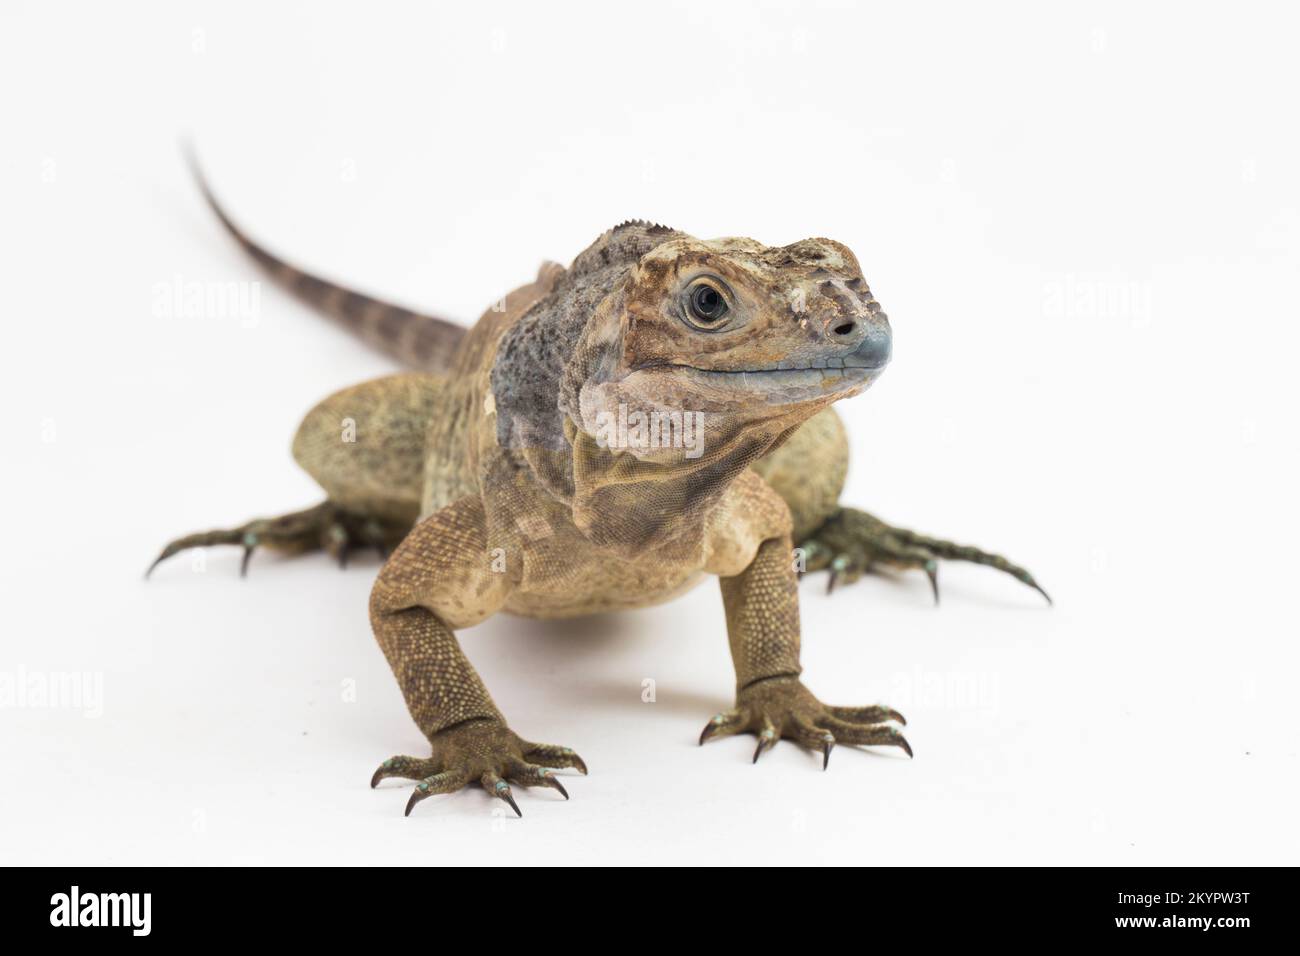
419 341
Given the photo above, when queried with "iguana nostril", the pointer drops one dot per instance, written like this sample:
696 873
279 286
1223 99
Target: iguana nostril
844 329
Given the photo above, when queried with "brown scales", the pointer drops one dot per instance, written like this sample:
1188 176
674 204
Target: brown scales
491 472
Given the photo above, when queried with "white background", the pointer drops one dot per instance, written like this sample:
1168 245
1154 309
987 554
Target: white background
1082 224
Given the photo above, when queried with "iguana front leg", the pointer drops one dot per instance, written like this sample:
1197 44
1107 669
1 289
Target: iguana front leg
762 604
440 578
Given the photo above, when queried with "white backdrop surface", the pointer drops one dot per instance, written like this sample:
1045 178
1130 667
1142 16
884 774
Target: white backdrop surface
1083 226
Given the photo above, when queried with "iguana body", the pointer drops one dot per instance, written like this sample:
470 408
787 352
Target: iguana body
507 477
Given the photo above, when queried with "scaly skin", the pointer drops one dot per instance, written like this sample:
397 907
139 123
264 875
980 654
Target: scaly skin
515 493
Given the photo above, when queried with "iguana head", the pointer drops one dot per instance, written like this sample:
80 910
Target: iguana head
660 367
751 337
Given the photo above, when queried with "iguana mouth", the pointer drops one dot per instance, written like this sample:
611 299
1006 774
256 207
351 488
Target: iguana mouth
849 364
785 385
871 355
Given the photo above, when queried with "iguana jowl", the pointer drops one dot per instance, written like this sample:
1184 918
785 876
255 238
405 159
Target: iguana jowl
492 473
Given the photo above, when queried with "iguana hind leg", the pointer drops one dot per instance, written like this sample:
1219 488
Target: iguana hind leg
851 543
325 526
808 472
365 446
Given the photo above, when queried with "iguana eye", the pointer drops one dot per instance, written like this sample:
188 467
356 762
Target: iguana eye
706 305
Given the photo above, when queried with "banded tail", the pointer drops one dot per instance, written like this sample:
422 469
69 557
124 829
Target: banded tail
424 342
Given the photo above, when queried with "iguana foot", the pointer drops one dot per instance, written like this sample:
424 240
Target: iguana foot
325 526
782 707
485 752
850 543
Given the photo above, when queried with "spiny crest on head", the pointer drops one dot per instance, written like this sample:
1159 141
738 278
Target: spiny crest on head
623 245
646 224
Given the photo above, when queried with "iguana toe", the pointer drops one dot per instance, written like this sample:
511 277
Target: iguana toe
407 768
557 757
448 782
500 789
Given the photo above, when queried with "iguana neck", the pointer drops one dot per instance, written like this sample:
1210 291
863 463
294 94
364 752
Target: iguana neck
627 504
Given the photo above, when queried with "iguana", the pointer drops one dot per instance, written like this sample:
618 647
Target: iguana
602 438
